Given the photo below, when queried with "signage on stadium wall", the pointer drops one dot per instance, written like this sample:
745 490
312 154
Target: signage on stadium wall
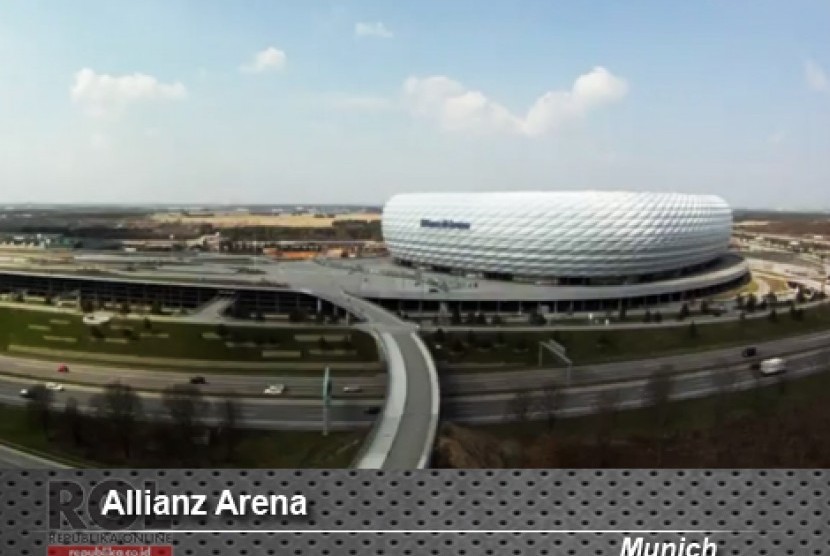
451 224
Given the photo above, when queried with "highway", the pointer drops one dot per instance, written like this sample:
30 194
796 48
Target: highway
217 384
582 400
259 413
456 384
11 458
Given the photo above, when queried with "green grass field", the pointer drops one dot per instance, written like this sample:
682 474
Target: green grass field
597 346
168 339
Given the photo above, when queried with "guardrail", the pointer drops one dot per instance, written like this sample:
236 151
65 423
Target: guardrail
435 408
383 433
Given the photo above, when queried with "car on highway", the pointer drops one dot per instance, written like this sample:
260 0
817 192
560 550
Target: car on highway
352 389
25 393
275 390
198 380
750 352
62 368
54 386
773 366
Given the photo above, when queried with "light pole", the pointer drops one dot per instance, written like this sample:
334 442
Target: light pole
326 400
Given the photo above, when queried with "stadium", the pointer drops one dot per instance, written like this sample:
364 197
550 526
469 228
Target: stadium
565 238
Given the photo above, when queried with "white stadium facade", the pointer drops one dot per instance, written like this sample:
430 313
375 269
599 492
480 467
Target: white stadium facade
577 250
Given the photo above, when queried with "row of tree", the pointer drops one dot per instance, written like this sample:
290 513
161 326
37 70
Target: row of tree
665 441
118 428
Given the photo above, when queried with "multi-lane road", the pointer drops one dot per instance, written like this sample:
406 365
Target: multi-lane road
476 397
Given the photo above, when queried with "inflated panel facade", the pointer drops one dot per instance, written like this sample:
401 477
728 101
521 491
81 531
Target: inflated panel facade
557 234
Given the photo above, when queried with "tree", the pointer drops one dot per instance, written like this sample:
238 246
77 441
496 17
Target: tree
773 315
259 316
156 307
520 406
481 319
606 405
497 320
323 344
658 317
622 313
704 307
739 301
471 318
119 408
125 308
658 391
693 332
684 312
73 420
185 408
800 297
550 402
455 318
439 336
751 303
39 408
47 299
647 316
230 429
148 324
87 306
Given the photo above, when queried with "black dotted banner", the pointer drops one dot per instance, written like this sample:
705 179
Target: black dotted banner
496 513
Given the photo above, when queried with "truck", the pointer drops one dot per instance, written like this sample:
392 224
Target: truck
773 366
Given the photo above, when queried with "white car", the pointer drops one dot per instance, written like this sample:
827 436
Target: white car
274 389
54 386
352 389
773 366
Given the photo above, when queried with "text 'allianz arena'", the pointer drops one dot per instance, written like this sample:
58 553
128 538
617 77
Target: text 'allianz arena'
569 236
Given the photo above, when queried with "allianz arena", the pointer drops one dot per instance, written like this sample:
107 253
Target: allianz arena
564 238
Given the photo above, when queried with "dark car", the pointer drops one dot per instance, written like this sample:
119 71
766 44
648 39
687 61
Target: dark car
750 352
198 380
756 366
372 410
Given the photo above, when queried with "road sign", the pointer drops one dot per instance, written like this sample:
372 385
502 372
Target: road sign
326 387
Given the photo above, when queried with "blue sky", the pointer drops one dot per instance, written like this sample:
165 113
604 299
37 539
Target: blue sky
282 102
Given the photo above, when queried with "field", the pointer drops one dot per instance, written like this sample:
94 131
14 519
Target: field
495 350
157 342
244 220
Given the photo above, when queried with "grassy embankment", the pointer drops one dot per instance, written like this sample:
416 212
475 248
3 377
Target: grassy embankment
483 350
167 343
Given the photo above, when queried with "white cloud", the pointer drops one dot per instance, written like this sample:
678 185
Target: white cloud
373 29
362 103
270 59
457 108
817 79
103 94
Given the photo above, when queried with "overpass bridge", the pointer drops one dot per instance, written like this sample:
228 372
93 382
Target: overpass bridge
405 430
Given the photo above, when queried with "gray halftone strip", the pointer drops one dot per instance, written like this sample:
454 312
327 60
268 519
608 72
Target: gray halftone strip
746 512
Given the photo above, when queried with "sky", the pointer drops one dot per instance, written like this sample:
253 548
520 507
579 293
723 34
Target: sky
174 101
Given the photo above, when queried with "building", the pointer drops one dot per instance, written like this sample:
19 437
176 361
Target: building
559 238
